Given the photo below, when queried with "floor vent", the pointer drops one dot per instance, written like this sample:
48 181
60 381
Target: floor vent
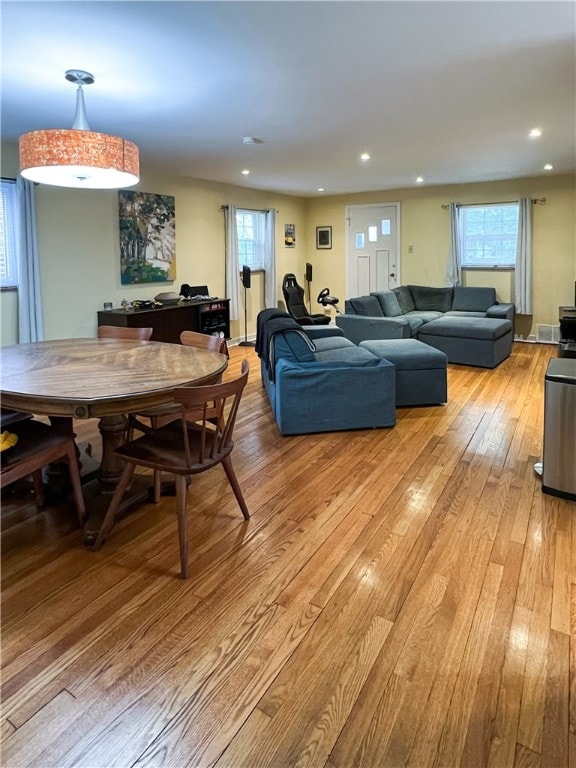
548 334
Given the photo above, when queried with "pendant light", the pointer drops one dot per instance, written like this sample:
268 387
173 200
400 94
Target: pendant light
79 157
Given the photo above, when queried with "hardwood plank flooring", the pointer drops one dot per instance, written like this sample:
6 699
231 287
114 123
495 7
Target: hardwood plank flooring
400 596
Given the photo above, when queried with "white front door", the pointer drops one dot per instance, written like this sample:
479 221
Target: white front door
373 254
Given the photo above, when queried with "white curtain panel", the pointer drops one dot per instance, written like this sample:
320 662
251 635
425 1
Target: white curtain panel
30 310
523 271
454 269
232 262
270 292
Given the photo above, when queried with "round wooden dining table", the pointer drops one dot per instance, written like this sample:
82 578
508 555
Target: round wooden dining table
104 379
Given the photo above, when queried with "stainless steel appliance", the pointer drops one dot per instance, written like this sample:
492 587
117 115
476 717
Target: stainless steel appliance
559 459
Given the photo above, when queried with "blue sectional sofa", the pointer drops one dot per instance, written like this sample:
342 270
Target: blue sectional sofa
400 313
466 323
318 381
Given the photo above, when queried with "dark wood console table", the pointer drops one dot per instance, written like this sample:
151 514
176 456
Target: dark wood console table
204 315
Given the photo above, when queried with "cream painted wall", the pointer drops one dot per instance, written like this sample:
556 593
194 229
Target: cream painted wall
78 245
425 227
78 237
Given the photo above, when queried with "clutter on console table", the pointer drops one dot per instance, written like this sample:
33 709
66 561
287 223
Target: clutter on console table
142 304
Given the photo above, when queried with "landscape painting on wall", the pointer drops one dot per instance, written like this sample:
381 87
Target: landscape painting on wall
147 237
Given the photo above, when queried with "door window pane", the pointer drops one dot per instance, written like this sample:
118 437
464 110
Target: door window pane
372 234
385 227
359 240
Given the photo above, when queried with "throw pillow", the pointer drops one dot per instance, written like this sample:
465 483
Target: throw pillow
368 306
389 303
404 299
431 299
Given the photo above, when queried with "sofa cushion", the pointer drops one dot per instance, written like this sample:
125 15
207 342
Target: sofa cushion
404 299
431 299
347 356
332 342
389 303
424 317
293 345
315 332
407 354
367 306
471 299
454 313
467 328
415 322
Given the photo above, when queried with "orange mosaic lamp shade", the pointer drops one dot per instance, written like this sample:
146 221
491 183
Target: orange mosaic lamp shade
77 158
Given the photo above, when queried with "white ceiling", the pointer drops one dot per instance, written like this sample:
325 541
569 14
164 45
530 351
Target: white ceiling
445 90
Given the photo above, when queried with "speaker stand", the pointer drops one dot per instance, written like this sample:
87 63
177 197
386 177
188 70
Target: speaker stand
246 343
309 297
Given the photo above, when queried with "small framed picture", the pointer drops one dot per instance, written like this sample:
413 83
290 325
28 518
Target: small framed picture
289 236
323 237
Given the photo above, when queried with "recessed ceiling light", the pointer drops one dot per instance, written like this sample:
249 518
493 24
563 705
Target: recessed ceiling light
548 167
535 133
364 156
320 189
419 179
252 140
245 172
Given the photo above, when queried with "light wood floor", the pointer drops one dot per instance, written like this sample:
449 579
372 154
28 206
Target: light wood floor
400 596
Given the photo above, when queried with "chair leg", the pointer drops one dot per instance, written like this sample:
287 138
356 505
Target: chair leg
76 482
181 498
111 512
157 485
231 475
38 488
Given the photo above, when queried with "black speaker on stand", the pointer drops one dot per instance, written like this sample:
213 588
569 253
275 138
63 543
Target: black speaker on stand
308 278
246 280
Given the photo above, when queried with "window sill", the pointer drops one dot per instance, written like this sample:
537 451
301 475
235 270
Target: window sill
489 269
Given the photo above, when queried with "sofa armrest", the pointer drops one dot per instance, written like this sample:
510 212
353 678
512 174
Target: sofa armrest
501 311
358 328
322 331
332 396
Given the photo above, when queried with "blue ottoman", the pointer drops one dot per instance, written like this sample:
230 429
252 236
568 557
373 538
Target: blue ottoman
480 341
421 377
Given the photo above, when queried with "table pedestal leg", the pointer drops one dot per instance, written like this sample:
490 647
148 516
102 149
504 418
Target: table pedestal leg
113 431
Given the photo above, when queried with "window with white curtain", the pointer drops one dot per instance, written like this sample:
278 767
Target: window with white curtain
8 234
489 235
251 229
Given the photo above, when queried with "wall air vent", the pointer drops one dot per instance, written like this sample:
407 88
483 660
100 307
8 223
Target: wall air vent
548 334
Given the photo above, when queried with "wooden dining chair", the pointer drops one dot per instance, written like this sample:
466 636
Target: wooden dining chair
164 414
8 416
120 332
186 448
204 341
37 446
